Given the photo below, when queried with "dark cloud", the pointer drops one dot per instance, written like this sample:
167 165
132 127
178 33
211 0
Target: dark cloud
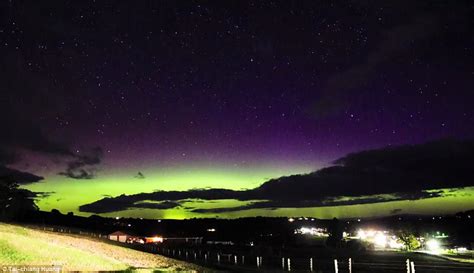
8 156
84 166
407 172
22 105
21 134
139 175
18 176
124 202
29 137
292 203
25 135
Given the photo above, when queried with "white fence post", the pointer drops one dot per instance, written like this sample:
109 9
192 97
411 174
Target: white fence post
218 258
350 265
283 263
235 259
412 267
408 265
310 264
289 264
336 269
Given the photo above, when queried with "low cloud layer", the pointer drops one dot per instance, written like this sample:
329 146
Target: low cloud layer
7 156
18 176
407 172
26 136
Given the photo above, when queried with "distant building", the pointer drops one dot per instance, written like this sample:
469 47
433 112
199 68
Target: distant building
120 236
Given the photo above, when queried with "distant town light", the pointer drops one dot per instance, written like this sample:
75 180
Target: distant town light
155 239
394 243
461 249
380 240
361 234
433 245
291 220
211 229
319 232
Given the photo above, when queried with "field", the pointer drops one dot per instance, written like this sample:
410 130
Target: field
24 246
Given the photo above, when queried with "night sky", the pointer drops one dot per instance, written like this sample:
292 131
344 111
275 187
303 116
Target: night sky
99 99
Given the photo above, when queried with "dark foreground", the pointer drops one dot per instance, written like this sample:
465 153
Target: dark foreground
320 261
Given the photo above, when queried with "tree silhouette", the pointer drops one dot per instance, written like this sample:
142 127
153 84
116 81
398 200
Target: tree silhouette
15 203
408 239
335 231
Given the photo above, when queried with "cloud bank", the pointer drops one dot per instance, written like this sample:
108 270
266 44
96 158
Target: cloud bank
83 166
407 172
18 176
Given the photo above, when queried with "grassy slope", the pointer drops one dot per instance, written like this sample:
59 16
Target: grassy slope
23 246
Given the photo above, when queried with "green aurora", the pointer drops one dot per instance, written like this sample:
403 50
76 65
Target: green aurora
67 195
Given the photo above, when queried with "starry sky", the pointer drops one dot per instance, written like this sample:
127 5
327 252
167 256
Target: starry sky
100 99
